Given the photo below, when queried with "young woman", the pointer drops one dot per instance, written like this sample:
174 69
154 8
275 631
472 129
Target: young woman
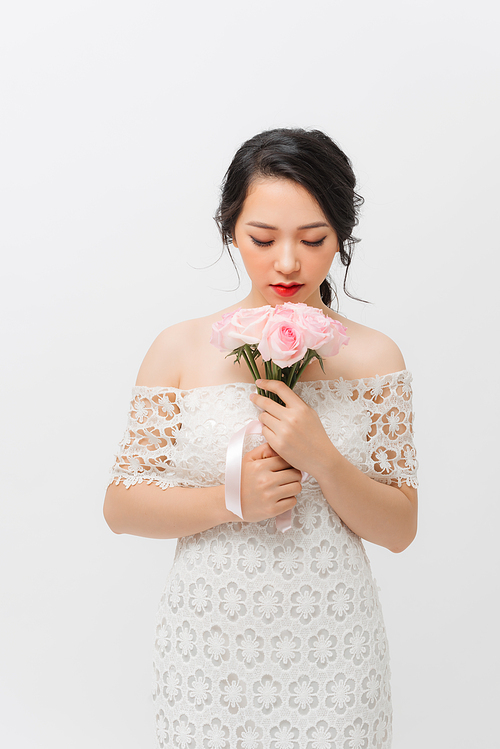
268 639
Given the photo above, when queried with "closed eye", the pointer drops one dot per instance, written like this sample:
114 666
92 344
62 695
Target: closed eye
268 244
314 244
261 244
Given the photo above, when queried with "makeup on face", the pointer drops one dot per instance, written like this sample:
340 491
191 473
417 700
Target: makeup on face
285 242
287 290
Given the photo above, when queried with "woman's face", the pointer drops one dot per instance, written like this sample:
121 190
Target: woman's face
286 243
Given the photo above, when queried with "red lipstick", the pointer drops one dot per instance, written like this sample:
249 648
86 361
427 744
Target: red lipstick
287 289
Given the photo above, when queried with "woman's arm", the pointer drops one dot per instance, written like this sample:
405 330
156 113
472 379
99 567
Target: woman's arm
268 488
146 510
380 513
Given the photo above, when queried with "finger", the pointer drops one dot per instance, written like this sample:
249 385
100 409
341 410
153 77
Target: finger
277 386
268 452
278 465
288 490
264 403
261 451
287 503
269 421
289 476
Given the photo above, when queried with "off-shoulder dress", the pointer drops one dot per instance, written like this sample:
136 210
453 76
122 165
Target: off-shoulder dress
268 639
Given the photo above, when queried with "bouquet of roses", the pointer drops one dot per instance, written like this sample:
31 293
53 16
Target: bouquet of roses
287 337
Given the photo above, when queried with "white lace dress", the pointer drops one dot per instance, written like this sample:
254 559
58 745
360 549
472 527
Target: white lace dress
264 639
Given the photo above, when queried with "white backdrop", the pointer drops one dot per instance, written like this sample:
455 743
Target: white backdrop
118 122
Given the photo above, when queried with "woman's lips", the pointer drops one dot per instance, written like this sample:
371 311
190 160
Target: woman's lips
287 290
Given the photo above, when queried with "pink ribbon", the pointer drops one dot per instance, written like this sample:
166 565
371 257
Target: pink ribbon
234 457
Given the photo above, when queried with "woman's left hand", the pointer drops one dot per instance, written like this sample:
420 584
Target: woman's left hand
294 430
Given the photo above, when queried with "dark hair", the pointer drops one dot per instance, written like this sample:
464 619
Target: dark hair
309 158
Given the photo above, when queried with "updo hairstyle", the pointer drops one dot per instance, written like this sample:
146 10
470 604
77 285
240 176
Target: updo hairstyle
309 158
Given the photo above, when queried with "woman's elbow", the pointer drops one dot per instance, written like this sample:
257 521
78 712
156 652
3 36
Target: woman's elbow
409 523
403 542
109 512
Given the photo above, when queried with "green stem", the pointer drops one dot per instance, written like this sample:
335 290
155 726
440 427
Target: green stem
248 354
310 355
268 377
277 371
289 380
250 360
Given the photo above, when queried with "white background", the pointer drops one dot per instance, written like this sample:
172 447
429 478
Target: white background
118 121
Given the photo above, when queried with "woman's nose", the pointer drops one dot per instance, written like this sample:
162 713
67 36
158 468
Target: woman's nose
286 260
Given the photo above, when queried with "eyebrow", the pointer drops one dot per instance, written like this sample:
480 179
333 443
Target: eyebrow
260 225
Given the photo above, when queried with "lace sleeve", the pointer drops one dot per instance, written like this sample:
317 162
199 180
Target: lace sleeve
391 456
147 451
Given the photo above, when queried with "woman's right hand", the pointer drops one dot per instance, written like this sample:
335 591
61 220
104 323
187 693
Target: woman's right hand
269 484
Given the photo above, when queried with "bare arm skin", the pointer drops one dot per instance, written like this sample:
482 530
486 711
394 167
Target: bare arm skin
380 513
268 484
146 510
383 514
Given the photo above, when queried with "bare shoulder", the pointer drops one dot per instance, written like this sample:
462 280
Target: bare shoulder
179 349
370 352
162 365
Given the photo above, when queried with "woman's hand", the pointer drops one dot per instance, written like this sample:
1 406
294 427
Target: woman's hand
383 514
269 485
294 431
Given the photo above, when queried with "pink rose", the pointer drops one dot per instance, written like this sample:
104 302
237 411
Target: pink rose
294 306
283 340
286 311
223 333
323 335
312 320
249 324
282 334
337 339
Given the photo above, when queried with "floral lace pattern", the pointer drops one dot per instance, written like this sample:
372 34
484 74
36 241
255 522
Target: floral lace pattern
267 640
175 438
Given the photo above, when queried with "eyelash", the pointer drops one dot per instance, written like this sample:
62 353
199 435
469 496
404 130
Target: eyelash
268 244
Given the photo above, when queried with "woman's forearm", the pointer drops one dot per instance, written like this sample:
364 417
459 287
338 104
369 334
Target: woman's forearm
146 510
377 512
383 514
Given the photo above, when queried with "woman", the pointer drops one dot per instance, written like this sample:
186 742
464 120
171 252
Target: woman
269 639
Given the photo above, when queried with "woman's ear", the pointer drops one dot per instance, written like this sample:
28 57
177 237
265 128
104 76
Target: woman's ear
233 242
338 248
